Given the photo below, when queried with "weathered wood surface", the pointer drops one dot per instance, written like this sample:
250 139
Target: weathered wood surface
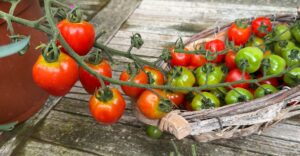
70 130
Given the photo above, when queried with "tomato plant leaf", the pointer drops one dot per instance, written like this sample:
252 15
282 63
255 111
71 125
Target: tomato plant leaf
14 47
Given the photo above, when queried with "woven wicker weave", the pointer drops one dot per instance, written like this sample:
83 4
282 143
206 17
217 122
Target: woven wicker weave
235 120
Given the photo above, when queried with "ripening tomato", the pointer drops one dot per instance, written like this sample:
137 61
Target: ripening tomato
181 77
229 59
205 100
58 77
236 75
152 106
176 98
239 32
140 78
272 81
216 45
80 36
89 82
179 59
209 74
107 106
154 76
261 26
197 60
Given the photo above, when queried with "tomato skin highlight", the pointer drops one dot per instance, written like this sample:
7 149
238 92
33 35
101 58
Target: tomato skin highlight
140 78
229 59
261 22
108 112
216 45
236 75
239 35
179 59
89 82
57 78
80 36
176 98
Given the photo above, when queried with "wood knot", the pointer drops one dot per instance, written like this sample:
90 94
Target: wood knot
175 124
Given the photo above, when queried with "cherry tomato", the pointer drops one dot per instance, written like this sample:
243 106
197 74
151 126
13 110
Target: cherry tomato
236 75
238 95
152 106
296 31
282 46
215 74
179 59
261 26
153 132
274 64
292 56
216 45
140 78
229 59
256 42
89 82
292 77
282 32
107 106
197 60
239 32
250 58
176 98
205 101
154 76
58 77
264 89
80 36
181 77
271 81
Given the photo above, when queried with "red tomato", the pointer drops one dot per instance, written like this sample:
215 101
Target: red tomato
197 60
154 76
239 33
187 105
176 98
179 59
236 75
140 78
216 46
80 36
107 108
261 26
272 81
229 59
152 106
89 82
57 78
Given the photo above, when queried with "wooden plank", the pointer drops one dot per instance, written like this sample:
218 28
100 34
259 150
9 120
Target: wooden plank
9 141
83 133
114 15
35 147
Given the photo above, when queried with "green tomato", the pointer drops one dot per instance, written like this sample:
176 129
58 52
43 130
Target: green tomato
252 56
292 56
220 93
205 101
264 89
238 95
282 32
282 46
296 31
181 77
274 64
153 132
292 77
215 74
256 42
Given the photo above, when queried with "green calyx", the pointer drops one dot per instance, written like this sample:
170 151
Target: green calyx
283 43
263 28
294 54
94 58
104 95
137 41
176 72
242 98
208 68
207 103
241 23
75 15
165 105
50 52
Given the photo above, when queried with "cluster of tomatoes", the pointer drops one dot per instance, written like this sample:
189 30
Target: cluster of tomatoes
257 51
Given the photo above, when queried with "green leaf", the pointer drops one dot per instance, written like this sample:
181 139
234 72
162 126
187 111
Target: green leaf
8 127
13 48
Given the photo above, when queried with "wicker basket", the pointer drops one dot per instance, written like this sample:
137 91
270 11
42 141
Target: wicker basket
235 120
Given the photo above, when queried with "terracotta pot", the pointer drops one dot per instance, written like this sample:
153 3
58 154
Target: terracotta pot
20 98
